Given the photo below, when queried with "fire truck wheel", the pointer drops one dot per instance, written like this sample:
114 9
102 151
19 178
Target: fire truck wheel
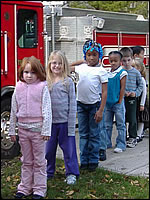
8 149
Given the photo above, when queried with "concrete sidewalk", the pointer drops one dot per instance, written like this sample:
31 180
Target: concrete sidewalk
133 161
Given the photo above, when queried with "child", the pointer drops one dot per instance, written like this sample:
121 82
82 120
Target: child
133 90
138 52
63 99
31 110
115 102
138 64
90 105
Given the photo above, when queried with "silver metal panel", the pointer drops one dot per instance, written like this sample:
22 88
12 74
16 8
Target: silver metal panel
85 28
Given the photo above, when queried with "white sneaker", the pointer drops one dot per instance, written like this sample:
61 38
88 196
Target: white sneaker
71 179
132 142
117 150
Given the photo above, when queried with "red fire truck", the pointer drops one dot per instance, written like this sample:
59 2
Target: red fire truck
23 27
21 36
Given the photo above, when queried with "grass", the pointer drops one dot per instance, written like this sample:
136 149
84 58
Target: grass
100 184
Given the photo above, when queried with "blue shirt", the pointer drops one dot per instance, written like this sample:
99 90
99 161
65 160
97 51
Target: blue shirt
134 81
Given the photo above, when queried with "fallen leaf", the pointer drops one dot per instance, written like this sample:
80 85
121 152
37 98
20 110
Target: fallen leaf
8 178
93 196
68 193
115 194
110 180
107 176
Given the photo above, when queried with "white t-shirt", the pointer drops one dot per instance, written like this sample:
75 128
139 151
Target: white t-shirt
112 74
89 86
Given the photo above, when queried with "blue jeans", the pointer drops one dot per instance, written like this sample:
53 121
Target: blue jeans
103 138
88 133
119 111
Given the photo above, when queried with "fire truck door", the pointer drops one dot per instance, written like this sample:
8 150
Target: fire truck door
29 33
7 45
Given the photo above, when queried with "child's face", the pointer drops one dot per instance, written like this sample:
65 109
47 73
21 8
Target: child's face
29 75
127 62
115 61
92 57
56 66
140 55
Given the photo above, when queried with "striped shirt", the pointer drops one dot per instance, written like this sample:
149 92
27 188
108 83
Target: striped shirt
134 81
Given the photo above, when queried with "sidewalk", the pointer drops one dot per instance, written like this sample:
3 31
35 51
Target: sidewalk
133 161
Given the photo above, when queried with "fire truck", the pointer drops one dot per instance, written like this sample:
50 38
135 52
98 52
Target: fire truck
34 28
21 36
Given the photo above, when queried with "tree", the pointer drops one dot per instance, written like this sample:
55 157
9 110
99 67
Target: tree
134 7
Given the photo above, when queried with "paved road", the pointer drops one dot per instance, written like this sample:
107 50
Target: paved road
133 161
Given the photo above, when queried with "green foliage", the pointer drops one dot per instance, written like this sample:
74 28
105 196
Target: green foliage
134 7
100 184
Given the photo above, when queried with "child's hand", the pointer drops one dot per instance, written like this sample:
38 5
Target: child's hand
132 94
127 94
141 108
46 138
13 138
98 116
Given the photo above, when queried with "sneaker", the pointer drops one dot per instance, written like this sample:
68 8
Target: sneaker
71 179
93 166
117 150
19 195
139 139
84 166
132 142
142 135
36 196
102 155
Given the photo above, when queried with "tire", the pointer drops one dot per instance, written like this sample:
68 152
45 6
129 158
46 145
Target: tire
9 149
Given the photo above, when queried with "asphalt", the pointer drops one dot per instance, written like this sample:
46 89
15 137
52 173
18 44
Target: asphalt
133 161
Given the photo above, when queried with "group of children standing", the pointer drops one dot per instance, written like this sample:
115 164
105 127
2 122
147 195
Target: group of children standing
44 106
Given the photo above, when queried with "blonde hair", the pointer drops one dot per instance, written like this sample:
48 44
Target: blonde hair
36 66
139 65
65 65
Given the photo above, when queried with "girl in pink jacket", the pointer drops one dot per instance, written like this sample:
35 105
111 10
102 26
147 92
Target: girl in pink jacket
31 111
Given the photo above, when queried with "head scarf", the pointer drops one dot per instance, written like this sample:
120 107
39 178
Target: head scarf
90 44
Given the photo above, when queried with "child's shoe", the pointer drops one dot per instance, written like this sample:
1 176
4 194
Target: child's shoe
102 155
71 179
36 196
132 142
84 166
19 195
93 166
117 150
139 139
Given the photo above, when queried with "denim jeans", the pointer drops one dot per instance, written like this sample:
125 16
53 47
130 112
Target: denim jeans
103 138
117 110
88 133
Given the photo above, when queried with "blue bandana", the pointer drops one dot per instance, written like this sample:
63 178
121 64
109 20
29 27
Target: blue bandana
92 46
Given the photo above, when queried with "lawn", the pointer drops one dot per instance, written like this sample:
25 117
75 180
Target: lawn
100 184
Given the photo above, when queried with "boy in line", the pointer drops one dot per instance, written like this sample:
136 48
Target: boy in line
133 90
138 52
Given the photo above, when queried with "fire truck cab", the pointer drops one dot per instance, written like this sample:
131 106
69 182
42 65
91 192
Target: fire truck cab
21 36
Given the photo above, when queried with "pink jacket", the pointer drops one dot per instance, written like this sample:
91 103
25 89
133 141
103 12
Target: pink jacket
29 100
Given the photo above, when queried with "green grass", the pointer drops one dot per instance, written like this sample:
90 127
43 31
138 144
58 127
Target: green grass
100 184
